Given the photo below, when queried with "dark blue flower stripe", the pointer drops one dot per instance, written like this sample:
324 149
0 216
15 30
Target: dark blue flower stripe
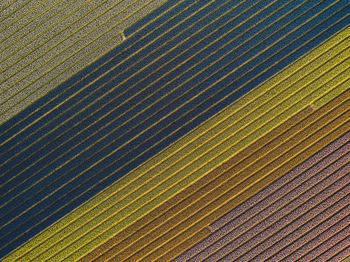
192 60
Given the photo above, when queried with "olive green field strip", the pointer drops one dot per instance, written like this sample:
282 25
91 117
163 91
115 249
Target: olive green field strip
246 178
43 43
30 206
316 78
